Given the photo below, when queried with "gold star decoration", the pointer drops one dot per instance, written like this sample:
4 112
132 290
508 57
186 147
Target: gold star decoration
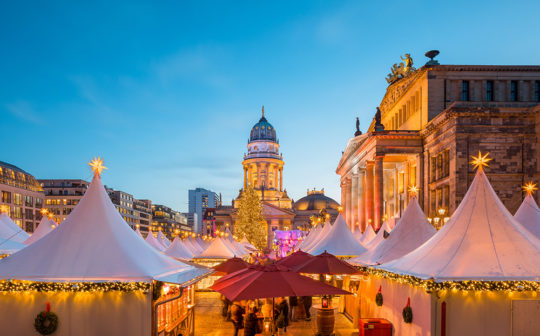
530 188
413 190
340 208
480 161
4 209
96 165
43 211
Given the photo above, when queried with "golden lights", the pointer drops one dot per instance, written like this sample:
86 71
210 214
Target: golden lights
4 209
340 208
24 286
44 211
530 188
96 165
413 190
480 161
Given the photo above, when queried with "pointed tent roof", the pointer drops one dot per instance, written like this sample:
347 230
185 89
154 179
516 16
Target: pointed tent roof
139 233
94 244
368 235
238 250
152 241
45 226
412 231
322 233
229 234
11 231
528 215
178 250
379 237
163 240
10 246
247 244
218 250
313 233
481 241
193 245
339 241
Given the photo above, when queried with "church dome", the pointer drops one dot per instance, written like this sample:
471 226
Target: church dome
263 130
315 200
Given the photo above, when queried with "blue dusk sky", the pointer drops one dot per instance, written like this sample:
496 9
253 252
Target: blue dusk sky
167 92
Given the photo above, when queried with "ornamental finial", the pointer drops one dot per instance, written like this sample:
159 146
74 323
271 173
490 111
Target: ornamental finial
480 161
530 188
96 165
413 190
263 111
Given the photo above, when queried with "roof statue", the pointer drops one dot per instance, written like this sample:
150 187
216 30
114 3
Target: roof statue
431 55
358 131
402 70
412 230
94 244
481 241
263 111
378 125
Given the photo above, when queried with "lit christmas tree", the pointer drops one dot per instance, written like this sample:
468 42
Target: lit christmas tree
250 222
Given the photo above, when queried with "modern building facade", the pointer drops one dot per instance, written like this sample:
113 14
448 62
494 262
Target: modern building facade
199 200
124 204
428 125
172 223
143 214
21 196
62 195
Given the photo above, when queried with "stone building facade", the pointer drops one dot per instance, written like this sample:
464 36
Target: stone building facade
430 124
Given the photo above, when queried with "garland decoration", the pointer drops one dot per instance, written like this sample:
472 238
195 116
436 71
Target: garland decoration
27 286
46 322
156 291
407 312
379 297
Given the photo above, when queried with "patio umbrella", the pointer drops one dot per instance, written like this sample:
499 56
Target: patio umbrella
232 265
295 259
269 281
326 263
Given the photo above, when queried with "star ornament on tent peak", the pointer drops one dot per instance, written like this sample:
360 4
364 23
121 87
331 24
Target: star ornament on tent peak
4 209
413 190
530 188
481 161
96 165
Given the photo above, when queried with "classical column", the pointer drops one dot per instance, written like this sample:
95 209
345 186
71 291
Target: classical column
378 191
368 194
360 198
347 205
281 179
420 180
354 201
245 178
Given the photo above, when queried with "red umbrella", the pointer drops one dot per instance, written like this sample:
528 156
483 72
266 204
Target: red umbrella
258 282
295 259
326 263
232 265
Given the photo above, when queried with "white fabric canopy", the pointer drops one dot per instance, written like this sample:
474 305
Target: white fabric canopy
339 241
316 239
237 247
379 237
178 250
412 231
311 235
163 240
92 244
45 226
11 231
528 215
218 250
139 233
481 241
192 245
228 234
368 235
10 246
152 241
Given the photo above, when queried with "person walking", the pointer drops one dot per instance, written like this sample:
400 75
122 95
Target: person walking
293 302
237 317
283 312
307 301
252 323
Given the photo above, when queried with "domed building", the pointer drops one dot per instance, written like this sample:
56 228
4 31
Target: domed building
314 203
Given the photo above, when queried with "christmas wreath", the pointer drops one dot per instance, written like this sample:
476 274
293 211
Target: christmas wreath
407 312
379 297
46 322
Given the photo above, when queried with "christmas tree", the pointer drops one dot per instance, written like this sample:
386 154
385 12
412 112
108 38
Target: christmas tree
250 222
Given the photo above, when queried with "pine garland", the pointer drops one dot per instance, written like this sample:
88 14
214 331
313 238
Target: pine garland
250 222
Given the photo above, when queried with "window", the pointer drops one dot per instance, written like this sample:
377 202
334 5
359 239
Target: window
439 166
537 91
446 198
446 163
29 227
465 90
489 90
433 202
17 212
17 199
513 91
433 173
28 201
6 197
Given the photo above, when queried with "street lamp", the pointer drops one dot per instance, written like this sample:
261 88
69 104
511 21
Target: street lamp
440 218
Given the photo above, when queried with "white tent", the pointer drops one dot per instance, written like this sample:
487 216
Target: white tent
229 234
412 231
313 233
528 215
10 246
11 231
45 226
163 240
357 234
193 246
379 237
368 235
481 241
152 241
218 250
239 250
339 241
178 250
322 233
247 244
93 244
139 233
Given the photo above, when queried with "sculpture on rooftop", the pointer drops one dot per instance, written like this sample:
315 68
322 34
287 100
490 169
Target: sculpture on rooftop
378 125
358 131
401 70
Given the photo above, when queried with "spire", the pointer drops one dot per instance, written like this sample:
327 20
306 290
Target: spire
263 111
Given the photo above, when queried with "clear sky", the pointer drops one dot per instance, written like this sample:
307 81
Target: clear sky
167 92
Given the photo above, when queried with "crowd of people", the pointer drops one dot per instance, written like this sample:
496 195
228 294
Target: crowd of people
250 315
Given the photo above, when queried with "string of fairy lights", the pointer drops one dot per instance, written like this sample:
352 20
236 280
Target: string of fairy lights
28 286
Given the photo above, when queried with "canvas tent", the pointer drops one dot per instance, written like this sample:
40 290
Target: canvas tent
152 241
368 235
320 235
163 240
528 215
310 237
218 250
11 231
339 241
178 250
44 227
379 237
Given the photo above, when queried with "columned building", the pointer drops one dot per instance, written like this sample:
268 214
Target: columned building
429 123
